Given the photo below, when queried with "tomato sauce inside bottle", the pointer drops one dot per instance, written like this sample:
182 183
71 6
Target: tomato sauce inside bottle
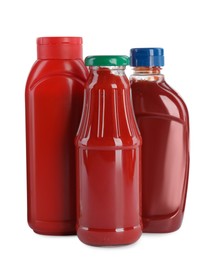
108 150
162 118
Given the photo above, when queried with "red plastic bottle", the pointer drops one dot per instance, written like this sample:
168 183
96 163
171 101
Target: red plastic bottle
108 150
163 121
54 99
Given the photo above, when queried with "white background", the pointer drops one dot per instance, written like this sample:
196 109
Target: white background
185 29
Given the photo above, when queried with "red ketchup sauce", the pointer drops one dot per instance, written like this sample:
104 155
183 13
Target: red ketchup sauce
108 150
163 121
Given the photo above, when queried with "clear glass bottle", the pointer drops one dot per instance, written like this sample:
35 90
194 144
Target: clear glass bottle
108 150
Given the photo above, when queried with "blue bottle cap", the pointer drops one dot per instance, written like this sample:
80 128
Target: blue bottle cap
146 57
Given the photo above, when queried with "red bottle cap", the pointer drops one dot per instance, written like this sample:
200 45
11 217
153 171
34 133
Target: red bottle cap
59 48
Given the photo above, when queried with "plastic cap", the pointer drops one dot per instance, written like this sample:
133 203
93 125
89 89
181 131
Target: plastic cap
147 57
107 60
59 48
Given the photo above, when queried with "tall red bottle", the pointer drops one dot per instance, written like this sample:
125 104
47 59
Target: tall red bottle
108 150
54 99
163 121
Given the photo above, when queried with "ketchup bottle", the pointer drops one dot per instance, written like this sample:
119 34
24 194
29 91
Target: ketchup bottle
163 121
108 155
54 99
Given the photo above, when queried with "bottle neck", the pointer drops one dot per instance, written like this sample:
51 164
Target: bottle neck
106 76
147 73
104 70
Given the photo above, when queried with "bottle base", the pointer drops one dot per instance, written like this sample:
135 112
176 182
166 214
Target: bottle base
163 225
53 228
103 237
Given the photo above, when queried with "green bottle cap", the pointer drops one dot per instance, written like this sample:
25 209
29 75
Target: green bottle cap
107 60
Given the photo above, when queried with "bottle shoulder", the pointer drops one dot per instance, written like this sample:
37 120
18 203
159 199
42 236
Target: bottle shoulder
46 69
157 98
108 119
